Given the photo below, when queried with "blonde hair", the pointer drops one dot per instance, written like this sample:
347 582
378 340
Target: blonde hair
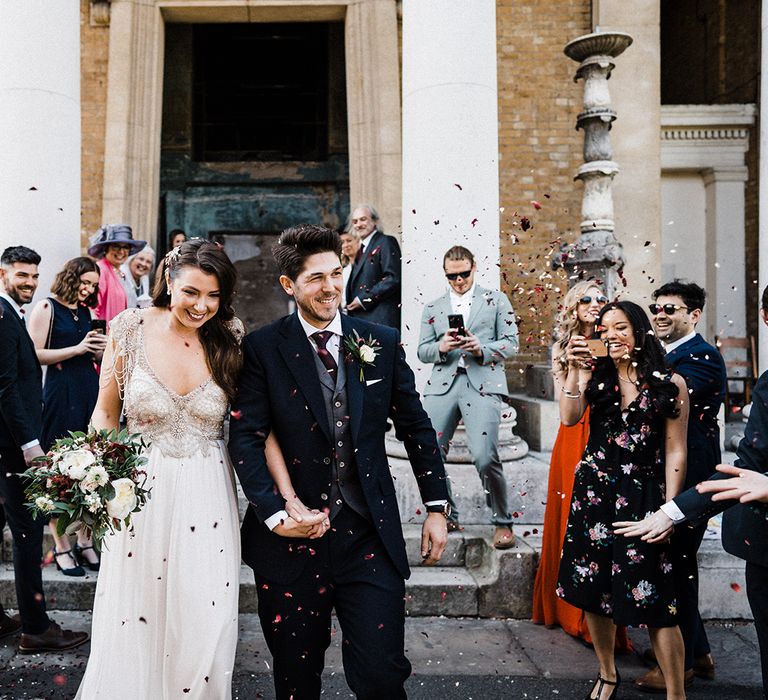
567 318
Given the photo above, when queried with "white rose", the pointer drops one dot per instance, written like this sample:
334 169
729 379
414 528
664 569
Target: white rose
367 353
124 502
94 478
75 463
44 503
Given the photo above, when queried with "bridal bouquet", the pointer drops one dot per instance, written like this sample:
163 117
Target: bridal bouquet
94 481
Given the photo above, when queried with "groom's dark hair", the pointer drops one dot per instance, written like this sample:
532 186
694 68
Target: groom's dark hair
297 243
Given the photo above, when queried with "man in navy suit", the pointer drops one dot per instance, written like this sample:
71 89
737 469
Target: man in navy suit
373 289
675 314
328 408
21 414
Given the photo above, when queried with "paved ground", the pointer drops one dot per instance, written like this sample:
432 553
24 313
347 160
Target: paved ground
453 659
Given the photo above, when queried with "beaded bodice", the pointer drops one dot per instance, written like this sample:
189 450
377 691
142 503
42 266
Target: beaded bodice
177 425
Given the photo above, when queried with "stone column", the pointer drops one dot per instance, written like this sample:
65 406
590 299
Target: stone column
724 193
637 99
450 150
134 115
40 130
596 252
373 99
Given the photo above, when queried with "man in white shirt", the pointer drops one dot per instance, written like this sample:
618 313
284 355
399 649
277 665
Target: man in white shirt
468 379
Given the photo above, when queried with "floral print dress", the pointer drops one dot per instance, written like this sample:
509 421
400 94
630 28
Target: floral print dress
620 477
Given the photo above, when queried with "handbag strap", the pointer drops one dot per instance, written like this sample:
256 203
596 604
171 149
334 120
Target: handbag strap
50 325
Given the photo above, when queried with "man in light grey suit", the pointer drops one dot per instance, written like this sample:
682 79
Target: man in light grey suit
468 379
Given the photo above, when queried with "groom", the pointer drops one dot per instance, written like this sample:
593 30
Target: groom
328 409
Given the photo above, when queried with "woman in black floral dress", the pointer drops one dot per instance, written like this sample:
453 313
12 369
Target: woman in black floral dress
634 461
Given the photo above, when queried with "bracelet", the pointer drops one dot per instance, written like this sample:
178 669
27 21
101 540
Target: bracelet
571 395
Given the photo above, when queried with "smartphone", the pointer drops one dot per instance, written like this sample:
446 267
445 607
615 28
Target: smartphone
597 347
99 325
456 323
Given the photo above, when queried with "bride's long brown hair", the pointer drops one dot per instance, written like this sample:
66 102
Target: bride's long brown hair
217 335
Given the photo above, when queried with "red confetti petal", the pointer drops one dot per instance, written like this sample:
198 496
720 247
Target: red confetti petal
736 587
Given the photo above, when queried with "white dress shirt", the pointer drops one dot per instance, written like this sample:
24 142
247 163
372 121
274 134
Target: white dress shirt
20 314
462 304
669 347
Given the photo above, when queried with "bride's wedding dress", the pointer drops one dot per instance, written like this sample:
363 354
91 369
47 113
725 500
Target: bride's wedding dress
165 612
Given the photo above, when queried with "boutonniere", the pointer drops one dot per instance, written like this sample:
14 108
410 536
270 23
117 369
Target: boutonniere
363 350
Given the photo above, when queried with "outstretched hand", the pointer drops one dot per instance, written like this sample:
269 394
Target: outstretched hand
746 485
654 529
434 537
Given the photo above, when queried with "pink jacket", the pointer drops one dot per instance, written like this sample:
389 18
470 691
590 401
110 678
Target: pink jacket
112 297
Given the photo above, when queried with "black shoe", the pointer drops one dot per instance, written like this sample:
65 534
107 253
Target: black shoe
53 639
76 570
83 561
600 683
9 625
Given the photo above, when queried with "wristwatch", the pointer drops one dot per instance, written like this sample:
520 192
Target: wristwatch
442 508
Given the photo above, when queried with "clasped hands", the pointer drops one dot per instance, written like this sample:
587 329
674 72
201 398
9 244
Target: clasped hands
453 341
303 521
313 524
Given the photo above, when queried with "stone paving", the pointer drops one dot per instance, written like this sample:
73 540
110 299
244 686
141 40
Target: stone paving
454 659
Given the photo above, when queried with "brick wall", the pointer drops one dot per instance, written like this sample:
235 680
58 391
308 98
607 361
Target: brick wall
540 151
94 47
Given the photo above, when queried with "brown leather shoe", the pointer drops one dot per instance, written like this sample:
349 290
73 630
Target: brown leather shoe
9 625
704 667
504 538
653 681
53 639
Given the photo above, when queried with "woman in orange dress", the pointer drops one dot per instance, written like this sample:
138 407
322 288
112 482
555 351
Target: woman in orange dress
576 320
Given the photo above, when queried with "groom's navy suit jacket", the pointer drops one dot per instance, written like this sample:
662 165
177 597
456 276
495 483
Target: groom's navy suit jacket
280 392
21 392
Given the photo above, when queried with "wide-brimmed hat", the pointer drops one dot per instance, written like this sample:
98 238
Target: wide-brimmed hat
110 234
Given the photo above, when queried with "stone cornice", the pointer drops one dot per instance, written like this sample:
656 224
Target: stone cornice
694 137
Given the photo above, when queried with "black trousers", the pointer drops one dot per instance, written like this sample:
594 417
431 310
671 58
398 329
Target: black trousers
757 594
348 571
27 544
685 569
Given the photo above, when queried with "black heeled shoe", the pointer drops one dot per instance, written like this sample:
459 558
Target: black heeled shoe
79 553
600 683
76 570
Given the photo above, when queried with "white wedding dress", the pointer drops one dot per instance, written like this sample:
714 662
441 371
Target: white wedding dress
165 612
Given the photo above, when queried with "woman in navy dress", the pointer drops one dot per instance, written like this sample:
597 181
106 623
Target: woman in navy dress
634 460
60 327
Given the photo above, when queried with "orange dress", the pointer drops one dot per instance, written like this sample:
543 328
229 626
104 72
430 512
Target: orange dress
548 609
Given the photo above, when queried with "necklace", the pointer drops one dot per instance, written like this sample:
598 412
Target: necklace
181 337
627 380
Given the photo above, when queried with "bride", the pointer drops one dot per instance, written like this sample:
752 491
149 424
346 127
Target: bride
166 605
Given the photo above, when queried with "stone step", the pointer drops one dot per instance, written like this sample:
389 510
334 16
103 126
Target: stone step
474 580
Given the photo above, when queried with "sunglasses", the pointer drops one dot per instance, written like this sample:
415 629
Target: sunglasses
668 309
600 299
453 276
